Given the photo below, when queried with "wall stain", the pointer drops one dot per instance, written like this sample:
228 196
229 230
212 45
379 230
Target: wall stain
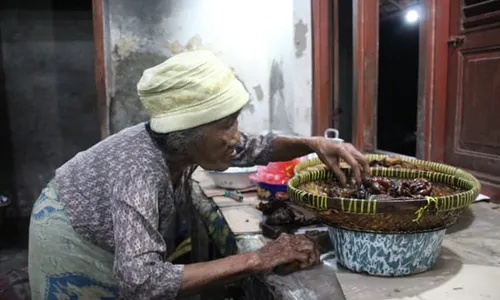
175 47
250 107
258 92
278 113
194 43
124 47
300 40
125 108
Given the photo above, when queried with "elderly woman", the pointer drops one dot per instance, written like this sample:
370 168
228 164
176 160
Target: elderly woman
101 229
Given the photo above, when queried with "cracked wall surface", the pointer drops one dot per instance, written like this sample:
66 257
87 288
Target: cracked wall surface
266 43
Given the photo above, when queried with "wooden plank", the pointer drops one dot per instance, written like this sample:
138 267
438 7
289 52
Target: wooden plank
100 68
336 80
366 34
433 70
322 65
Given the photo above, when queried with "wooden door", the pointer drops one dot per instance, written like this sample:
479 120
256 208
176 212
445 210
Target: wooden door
324 62
473 106
365 72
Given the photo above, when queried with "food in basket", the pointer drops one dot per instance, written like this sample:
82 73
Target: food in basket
393 161
380 188
322 166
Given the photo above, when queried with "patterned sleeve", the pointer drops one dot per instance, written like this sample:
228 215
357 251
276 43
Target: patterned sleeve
254 150
139 264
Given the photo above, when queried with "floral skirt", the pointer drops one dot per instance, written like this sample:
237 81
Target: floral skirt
62 264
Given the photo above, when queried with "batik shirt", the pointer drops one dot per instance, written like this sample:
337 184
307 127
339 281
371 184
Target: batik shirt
119 195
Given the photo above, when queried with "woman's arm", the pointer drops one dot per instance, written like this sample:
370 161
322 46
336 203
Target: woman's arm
200 275
140 249
253 150
260 150
284 250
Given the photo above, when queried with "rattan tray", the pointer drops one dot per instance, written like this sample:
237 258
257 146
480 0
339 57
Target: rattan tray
398 215
316 164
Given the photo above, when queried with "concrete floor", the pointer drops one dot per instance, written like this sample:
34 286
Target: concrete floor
13 258
13 244
468 266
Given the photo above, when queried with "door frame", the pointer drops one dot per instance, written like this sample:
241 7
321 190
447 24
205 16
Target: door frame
326 73
365 73
432 84
326 102
100 68
324 60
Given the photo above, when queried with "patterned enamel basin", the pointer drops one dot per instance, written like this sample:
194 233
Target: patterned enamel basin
382 254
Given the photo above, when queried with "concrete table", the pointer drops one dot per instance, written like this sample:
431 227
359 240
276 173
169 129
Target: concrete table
317 283
471 249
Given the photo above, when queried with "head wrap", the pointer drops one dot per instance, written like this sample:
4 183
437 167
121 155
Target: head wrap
188 90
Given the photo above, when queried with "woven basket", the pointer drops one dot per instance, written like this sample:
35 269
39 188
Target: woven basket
397 215
316 164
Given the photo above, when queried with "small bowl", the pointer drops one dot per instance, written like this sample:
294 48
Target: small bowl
233 178
386 254
268 191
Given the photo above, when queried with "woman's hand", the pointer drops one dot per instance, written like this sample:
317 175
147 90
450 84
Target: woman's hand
331 152
287 249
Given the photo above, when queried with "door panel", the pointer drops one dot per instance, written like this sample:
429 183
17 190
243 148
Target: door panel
365 68
473 106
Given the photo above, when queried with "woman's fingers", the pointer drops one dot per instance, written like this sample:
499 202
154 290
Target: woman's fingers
308 246
331 153
289 249
351 161
363 162
335 167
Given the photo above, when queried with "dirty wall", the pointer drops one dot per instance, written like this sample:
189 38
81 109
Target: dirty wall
267 43
47 93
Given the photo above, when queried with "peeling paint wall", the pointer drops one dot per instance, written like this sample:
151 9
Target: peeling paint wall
267 43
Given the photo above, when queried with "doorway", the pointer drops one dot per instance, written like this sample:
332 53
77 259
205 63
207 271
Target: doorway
47 93
397 98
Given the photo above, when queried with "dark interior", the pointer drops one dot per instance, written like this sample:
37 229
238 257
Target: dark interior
47 98
398 86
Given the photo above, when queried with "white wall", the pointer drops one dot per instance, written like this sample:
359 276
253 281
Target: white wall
251 36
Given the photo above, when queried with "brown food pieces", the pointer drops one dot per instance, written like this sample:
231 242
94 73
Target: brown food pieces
416 188
277 212
381 188
397 162
282 215
268 208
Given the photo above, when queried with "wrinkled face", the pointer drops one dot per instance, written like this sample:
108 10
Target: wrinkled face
216 150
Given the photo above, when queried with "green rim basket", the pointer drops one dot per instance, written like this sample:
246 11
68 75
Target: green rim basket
303 166
397 215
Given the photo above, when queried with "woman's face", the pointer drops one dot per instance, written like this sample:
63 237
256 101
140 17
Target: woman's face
217 147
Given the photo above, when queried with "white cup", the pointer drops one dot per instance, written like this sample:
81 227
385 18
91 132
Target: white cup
333 134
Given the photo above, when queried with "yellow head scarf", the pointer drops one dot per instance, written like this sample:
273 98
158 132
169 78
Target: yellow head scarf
190 89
